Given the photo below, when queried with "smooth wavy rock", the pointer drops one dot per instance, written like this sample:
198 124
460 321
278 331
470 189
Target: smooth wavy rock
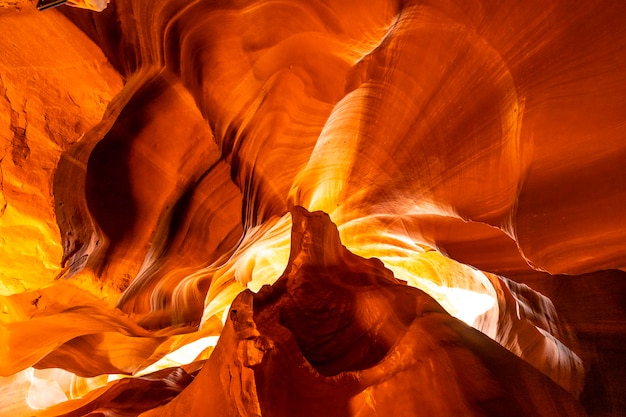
439 136
440 111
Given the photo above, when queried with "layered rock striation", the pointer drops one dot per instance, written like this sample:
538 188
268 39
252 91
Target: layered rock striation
151 163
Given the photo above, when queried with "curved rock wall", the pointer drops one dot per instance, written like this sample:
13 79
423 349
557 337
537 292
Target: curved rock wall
434 135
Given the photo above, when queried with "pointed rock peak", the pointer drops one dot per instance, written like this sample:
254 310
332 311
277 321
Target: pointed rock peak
314 238
316 245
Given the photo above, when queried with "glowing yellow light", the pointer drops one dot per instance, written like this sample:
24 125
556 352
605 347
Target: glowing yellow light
30 254
182 356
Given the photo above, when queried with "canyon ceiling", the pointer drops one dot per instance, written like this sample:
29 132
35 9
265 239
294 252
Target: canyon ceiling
313 208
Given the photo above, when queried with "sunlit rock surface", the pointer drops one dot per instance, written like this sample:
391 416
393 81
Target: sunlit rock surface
149 165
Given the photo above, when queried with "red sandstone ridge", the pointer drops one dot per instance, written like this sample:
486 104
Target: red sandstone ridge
151 154
338 335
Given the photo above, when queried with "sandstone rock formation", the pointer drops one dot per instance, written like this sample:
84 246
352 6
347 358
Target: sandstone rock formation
338 335
151 156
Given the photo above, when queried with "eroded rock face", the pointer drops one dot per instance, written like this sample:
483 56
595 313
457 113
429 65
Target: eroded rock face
51 94
490 134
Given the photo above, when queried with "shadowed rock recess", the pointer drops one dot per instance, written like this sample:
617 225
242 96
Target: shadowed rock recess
313 208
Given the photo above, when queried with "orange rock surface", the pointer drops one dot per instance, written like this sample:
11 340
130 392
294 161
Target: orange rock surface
414 208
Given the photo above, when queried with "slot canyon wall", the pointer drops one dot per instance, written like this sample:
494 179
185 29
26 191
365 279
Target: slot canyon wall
313 208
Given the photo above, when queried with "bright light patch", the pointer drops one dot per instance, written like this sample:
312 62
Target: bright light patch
43 392
463 304
182 356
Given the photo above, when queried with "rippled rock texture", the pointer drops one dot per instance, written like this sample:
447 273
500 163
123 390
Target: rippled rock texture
160 160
